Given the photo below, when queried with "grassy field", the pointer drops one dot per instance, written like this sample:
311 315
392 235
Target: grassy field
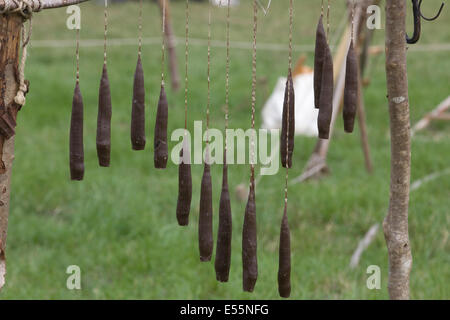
119 224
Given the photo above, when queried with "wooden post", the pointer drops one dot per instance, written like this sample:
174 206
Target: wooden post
10 28
395 224
170 42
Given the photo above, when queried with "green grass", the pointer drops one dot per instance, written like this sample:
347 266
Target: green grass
119 224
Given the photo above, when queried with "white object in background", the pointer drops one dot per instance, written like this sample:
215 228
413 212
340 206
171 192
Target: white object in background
224 3
305 113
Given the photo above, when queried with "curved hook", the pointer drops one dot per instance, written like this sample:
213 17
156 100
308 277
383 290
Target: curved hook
435 17
417 26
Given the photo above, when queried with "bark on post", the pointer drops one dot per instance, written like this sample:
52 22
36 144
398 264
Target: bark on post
395 224
10 27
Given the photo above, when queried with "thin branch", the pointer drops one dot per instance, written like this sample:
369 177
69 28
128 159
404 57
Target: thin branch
363 245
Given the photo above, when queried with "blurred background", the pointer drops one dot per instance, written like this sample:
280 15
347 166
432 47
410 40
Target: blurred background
119 224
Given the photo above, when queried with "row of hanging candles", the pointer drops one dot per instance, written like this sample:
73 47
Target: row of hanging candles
323 90
138 139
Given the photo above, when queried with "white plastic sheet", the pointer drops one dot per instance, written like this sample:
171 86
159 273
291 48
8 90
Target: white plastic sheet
305 113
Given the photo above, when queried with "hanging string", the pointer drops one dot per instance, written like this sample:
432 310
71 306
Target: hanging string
353 22
208 105
140 28
328 22
186 82
106 31
321 10
77 54
227 77
163 47
20 96
255 26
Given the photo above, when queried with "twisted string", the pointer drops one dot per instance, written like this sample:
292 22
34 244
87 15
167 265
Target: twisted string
328 21
106 31
208 105
227 78
353 21
186 53
140 29
163 48
255 29
23 88
77 53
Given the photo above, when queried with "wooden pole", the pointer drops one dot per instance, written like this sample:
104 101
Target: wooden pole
10 28
170 41
395 224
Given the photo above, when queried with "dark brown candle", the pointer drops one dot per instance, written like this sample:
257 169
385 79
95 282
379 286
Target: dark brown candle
249 243
76 136
284 268
138 109
223 251
287 136
104 121
326 96
160 142
319 57
184 187
205 223
351 90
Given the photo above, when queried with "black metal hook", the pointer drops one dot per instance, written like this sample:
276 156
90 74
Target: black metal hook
417 26
417 23
435 17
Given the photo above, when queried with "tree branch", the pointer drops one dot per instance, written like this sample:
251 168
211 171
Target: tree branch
38 5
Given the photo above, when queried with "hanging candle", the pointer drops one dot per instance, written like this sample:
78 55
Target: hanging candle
321 43
326 91
351 85
249 238
160 142
76 126
249 241
184 169
138 105
104 109
288 135
184 186
284 264
205 226
205 236
223 251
